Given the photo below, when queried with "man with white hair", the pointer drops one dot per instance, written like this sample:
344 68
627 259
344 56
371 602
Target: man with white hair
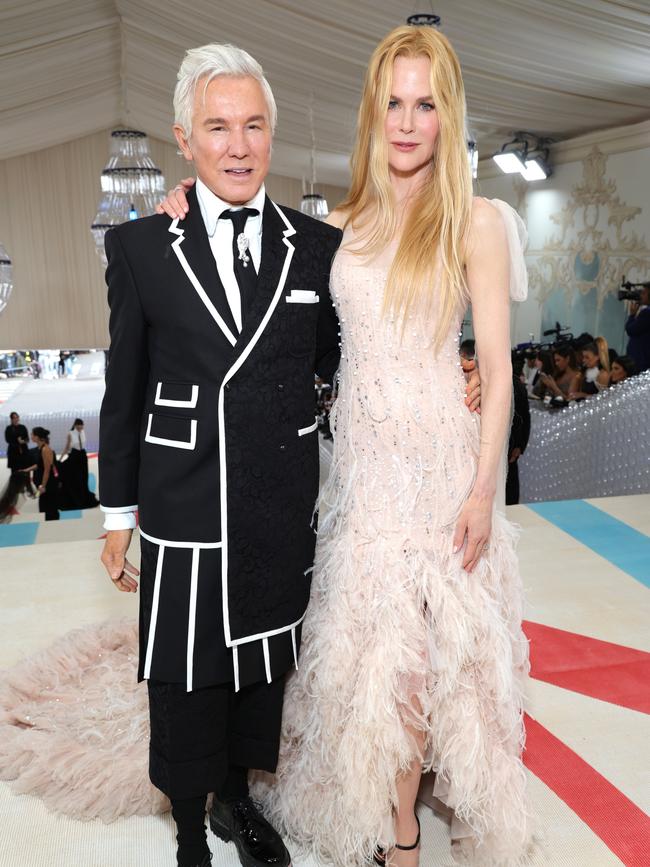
218 324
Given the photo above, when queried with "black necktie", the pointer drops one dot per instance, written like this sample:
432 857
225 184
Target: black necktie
242 259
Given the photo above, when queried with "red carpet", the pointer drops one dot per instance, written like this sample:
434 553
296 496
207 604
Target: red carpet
621 825
599 669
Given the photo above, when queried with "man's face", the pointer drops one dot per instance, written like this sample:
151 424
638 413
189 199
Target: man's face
15 419
231 137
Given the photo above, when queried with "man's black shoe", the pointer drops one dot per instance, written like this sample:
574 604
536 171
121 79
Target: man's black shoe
258 843
206 862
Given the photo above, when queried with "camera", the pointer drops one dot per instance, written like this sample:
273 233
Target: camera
631 291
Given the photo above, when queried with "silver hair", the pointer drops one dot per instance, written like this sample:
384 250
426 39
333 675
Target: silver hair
210 61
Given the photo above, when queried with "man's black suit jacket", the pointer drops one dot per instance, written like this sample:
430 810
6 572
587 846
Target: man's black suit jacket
212 434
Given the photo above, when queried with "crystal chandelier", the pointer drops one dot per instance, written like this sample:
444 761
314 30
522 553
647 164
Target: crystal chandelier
313 204
131 183
6 278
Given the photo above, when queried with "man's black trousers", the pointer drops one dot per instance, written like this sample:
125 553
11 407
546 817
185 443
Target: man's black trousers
199 738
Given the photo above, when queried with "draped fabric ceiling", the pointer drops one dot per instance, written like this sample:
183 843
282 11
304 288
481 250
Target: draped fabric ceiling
554 67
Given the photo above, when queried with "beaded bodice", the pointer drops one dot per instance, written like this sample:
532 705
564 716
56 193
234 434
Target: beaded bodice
404 440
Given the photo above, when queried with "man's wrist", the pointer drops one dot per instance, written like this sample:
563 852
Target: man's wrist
119 521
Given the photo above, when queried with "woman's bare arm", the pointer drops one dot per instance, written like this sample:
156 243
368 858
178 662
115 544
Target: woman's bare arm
488 278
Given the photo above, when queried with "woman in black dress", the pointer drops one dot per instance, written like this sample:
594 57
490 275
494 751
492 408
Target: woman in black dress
45 474
74 471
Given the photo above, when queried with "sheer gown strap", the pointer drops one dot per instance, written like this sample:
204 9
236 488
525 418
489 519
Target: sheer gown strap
517 240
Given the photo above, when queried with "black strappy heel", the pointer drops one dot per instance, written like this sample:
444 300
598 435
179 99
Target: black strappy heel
380 854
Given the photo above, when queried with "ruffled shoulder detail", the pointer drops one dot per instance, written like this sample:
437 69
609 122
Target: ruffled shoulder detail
517 240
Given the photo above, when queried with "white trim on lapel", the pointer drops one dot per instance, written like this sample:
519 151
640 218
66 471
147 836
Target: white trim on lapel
194 280
287 233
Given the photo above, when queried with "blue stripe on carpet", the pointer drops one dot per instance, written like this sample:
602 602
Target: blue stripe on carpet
622 545
12 535
69 514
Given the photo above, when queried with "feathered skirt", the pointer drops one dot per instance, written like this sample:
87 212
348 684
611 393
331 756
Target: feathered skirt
401 646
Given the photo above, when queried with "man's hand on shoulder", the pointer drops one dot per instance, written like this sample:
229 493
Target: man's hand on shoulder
121 572
473 391
336 218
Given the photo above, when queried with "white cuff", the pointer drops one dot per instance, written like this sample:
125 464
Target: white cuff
119 521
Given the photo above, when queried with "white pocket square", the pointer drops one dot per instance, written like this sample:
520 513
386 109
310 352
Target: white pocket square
301 296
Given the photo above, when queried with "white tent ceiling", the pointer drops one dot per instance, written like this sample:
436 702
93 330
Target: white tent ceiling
553 67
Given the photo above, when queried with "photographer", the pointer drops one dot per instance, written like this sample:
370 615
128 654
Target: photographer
638 330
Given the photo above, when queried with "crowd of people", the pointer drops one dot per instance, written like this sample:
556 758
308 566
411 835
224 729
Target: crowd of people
573 370
60 484
577 369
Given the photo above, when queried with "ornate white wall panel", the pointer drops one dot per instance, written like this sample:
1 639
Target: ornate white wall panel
589 224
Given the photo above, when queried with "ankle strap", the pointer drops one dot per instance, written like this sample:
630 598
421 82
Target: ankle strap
415 845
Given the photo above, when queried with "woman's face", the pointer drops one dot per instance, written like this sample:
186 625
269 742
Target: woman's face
411 124
618 372
35 439
589 359
561 363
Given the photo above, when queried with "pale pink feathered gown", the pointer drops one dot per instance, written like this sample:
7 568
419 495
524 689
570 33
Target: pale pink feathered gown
393 616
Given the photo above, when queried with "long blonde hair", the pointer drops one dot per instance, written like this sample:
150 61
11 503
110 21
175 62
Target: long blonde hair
603 353
439 218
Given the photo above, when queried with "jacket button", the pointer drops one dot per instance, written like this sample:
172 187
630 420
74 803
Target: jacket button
280 387
227 386
283 448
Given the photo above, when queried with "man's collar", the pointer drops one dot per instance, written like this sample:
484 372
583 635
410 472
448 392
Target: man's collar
212 206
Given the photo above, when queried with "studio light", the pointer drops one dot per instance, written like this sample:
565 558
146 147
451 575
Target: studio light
527 154
537 167
512 156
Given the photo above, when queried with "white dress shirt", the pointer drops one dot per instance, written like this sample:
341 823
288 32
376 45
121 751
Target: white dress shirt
220 233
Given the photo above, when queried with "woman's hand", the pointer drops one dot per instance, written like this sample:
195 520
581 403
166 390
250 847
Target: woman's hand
175 205
473 527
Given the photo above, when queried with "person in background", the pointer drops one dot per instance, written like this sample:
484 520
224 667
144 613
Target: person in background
467 352
566 376
596 375
622 368
604 355
45 475
543 365
74 472
638 330
530 372
17 438
519 436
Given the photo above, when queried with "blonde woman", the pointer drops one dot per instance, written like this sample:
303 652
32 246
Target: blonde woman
413 656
